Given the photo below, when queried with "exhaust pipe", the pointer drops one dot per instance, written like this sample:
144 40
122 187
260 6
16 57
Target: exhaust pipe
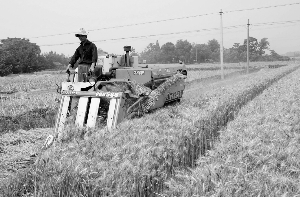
127 49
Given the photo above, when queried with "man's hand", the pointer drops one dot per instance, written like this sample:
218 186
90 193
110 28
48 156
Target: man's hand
92 68
68 68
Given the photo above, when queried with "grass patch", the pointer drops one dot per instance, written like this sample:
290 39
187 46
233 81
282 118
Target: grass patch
36 118
30 82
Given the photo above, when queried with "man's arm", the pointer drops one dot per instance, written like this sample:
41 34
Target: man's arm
94 57
73 60
95 54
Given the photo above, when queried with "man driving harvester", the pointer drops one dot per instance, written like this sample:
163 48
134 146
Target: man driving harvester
87 52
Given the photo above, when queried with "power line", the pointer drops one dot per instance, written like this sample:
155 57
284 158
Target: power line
172 19
135 24
256 29
276 23
175 33
266 7
146 36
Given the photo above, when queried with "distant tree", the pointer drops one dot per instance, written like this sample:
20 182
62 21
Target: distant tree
226 55
183 50
44 63
4 69
21 54
293 54
253 44
157 57
262 46
168 52
203 52
133 52
55 60
238 53
152 53
256 49
274 55
193 55
214 47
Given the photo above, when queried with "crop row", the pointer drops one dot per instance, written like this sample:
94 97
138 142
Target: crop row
24 101
28 83
258 153
199 74
140 155
241 65
25 110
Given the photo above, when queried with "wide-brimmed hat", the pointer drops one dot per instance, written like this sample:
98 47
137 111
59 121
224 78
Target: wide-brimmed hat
81 32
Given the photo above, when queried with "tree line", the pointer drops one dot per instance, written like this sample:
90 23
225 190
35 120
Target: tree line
19 55
189 53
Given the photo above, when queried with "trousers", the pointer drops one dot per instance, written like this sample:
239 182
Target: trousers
83 72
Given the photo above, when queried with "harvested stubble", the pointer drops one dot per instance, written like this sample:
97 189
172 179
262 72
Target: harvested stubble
25 83
37 118
27 111
139 156
22 102
258 153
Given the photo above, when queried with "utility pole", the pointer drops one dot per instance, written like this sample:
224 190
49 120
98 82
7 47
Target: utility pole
248 47
221 46
196 54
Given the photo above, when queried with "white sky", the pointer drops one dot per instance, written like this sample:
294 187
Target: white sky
31 18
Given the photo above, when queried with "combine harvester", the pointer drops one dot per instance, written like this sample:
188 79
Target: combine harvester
127 87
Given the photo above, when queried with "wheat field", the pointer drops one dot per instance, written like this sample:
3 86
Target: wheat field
179 150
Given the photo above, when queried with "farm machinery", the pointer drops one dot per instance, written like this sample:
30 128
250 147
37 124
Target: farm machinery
119 88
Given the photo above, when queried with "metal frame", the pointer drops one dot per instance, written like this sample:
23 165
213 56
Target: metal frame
72 90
